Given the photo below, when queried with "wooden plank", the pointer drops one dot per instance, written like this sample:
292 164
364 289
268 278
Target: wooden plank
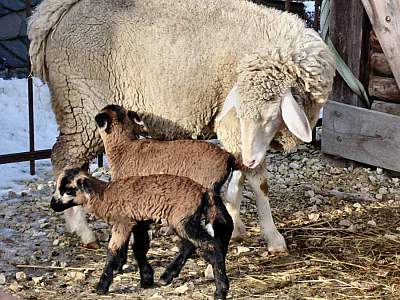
380 66
385 19
384 88
349 31
361 135
386 107
25 156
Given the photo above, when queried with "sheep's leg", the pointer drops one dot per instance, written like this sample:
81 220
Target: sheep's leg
186 250
120 234
223 228
140 248
233 199
69 152
258 181
122 257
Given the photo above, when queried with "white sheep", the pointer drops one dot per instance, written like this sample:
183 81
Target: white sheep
190 68
196 214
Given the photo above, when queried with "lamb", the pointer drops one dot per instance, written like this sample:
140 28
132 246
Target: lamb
191 69
196 214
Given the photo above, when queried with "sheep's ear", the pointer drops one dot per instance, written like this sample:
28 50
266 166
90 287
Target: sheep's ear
231 101
103 120
295 118
135 118
85 186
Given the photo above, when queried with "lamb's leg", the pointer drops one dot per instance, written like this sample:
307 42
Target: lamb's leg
75 219
120 234
213 253
140 248
122 256
186 250
257 179
223 228
233 199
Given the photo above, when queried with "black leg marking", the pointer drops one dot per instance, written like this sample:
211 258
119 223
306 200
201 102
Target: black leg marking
122 257
186 250
140 248
107 276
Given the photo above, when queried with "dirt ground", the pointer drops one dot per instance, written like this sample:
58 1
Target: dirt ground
342 227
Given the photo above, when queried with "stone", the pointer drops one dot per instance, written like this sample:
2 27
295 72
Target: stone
3 279
309 193
345 223
313 217
383 191
20 276
379 171
372 223
379 196
37 280
182 289
56 242
294 165
241 249
209 273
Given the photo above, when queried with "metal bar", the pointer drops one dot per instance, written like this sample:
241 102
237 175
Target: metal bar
30 100
100 161
287 5
317 14
25 156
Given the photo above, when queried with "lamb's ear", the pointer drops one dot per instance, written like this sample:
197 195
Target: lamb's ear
85 185
231 101
135 117
85 167
103 120
295 118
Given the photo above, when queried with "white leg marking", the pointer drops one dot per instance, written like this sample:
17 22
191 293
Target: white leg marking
276 242
233 199
75 218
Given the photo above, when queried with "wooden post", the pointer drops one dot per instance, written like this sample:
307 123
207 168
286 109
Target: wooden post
349 32
287 5
385 18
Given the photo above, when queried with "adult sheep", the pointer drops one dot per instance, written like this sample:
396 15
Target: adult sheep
190 69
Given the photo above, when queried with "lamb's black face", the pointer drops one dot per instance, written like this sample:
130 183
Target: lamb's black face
65 193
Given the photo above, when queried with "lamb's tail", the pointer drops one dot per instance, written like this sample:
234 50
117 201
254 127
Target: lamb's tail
45 19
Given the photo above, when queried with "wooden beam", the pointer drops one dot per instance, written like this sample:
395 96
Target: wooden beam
361 135
380 66
384 88
349 31
386 107
385 19
25 156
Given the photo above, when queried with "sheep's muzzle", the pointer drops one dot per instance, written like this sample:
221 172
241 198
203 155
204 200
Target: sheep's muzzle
58 206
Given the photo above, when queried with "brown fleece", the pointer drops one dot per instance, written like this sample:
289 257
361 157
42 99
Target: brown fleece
201 161
123 202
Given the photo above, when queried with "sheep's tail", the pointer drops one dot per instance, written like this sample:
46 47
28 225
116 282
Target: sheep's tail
45 19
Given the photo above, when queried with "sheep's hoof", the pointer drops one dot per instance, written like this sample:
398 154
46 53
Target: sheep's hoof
93 245
278 251
146 284
101 289
276 244
164 281
239 234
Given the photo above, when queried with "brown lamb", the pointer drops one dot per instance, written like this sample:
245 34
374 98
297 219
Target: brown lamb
196 214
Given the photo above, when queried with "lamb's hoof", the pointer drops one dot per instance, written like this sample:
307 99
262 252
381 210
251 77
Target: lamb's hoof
93 245
146 284
102 288
165 279
163 282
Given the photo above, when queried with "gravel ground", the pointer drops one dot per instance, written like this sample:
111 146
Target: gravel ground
342 227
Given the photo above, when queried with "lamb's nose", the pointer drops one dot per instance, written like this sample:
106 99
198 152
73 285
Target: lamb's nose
250 164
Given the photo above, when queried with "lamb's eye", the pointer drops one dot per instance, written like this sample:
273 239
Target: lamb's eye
70 192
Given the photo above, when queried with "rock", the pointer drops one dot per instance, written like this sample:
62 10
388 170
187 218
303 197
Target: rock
398 229
379 196
313 217
40 187
372 179
63 264
294 165
20 276
182 289
209 273
37 280
357 205
372 223
395 180
379 171
309 193
3 279
241 249
56 242
75 276
12 195
345 223
383 191
15 287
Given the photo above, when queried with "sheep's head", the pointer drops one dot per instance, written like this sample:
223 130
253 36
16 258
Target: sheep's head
73 187
114 121
260 121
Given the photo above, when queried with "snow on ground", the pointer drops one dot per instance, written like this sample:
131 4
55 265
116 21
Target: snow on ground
14 134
